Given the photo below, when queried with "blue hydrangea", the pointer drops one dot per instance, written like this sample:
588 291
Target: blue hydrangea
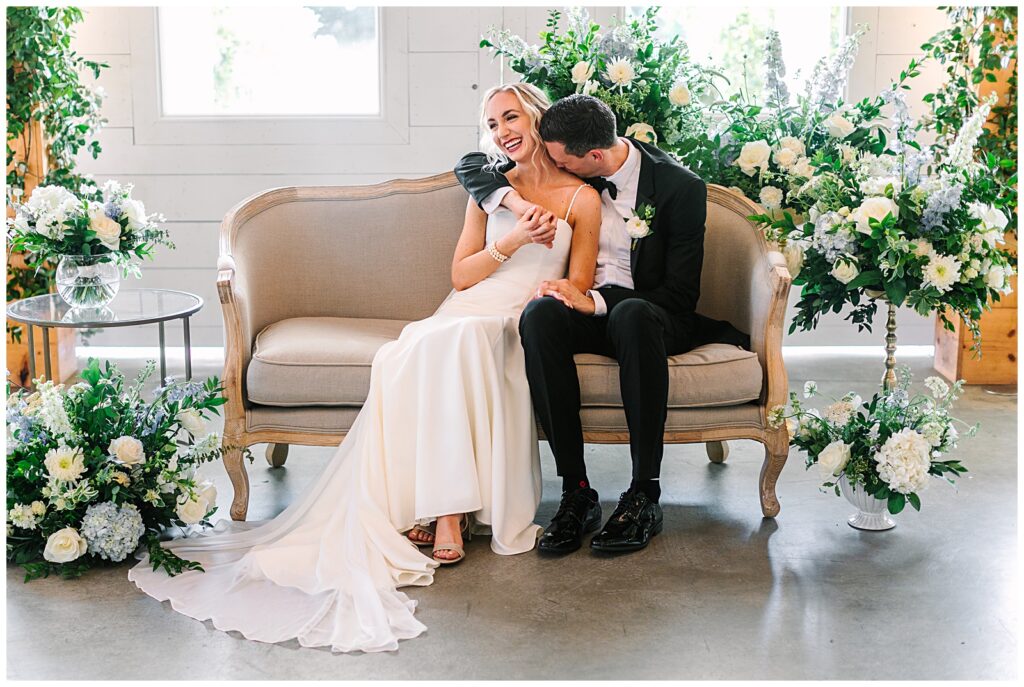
111 531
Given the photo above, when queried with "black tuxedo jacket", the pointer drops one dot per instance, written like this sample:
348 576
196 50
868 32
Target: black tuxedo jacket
666 265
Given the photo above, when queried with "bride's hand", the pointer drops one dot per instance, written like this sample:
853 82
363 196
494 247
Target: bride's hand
529 222
541 229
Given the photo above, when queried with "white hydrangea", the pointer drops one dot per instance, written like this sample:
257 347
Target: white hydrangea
903 461
112 532
22 516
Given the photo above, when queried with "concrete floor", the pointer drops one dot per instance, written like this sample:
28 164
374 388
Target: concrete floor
721 594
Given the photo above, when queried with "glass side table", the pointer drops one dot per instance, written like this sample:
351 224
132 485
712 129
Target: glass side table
129 308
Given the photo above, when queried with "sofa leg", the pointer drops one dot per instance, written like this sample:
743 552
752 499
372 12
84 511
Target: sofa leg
776 450
235 466
277 454
718 451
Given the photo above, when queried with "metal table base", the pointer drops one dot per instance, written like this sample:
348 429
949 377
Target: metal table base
48 363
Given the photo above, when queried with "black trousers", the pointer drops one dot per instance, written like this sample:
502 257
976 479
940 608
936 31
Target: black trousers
639 335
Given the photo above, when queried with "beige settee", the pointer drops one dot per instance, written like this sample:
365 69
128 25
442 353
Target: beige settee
313 280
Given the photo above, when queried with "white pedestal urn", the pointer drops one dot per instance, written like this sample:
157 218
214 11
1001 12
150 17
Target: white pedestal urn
872 513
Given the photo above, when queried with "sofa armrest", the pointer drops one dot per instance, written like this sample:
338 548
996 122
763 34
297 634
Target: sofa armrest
769 292
238 338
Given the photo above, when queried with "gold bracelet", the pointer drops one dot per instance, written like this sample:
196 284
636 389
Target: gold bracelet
493 251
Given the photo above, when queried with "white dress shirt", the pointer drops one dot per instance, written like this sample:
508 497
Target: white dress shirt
614 244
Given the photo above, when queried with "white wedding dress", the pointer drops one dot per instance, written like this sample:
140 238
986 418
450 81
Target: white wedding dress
447 427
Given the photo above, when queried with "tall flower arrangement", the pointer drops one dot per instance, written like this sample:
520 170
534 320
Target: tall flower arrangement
885 216
93 470
651 85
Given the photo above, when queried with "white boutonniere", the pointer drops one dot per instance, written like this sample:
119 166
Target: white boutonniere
638 225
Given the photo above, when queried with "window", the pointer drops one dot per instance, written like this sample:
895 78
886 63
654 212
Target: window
731 39
269 61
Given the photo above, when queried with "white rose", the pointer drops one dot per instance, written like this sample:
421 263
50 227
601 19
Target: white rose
135 211
833 458
784 158
679 95
191 511
64 546
969 274
191 420
582 72
38 508
876 208
839 126
621 72
754 155
590 88
127 451
845 271
771 197
642 132
924 247
802 168
208 493
847 153
107 230
990 217
792 143
995 278
637 228
794 254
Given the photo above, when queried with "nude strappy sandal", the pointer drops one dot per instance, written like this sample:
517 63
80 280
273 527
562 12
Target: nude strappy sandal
428 529
452 546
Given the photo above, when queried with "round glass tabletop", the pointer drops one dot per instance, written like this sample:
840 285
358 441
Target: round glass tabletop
129 307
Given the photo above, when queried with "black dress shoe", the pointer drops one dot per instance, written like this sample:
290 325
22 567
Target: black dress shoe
578 513
636 519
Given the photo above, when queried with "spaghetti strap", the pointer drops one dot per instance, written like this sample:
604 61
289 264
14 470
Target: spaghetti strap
573 201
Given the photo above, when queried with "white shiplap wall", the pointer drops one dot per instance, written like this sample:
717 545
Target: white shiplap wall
194 184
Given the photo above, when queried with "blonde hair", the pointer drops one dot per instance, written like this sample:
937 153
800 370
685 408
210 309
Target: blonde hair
533 103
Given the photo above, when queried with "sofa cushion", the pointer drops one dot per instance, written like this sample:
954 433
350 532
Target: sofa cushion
710 375
322 361
325 361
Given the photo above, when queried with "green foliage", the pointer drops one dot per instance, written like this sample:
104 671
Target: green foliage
44 83
979 42
658 67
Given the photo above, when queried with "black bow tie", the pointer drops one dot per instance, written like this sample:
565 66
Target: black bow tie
602 184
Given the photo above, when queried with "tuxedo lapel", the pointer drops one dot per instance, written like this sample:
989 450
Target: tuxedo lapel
644 195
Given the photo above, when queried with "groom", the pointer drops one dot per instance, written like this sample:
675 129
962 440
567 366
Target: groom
640 311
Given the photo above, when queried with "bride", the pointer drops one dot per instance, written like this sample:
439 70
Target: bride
446 435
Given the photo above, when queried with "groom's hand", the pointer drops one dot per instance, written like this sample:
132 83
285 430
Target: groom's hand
565 291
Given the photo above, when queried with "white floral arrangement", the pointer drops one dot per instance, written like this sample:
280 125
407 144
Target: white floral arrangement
891 446
94 470
651 85
96 223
